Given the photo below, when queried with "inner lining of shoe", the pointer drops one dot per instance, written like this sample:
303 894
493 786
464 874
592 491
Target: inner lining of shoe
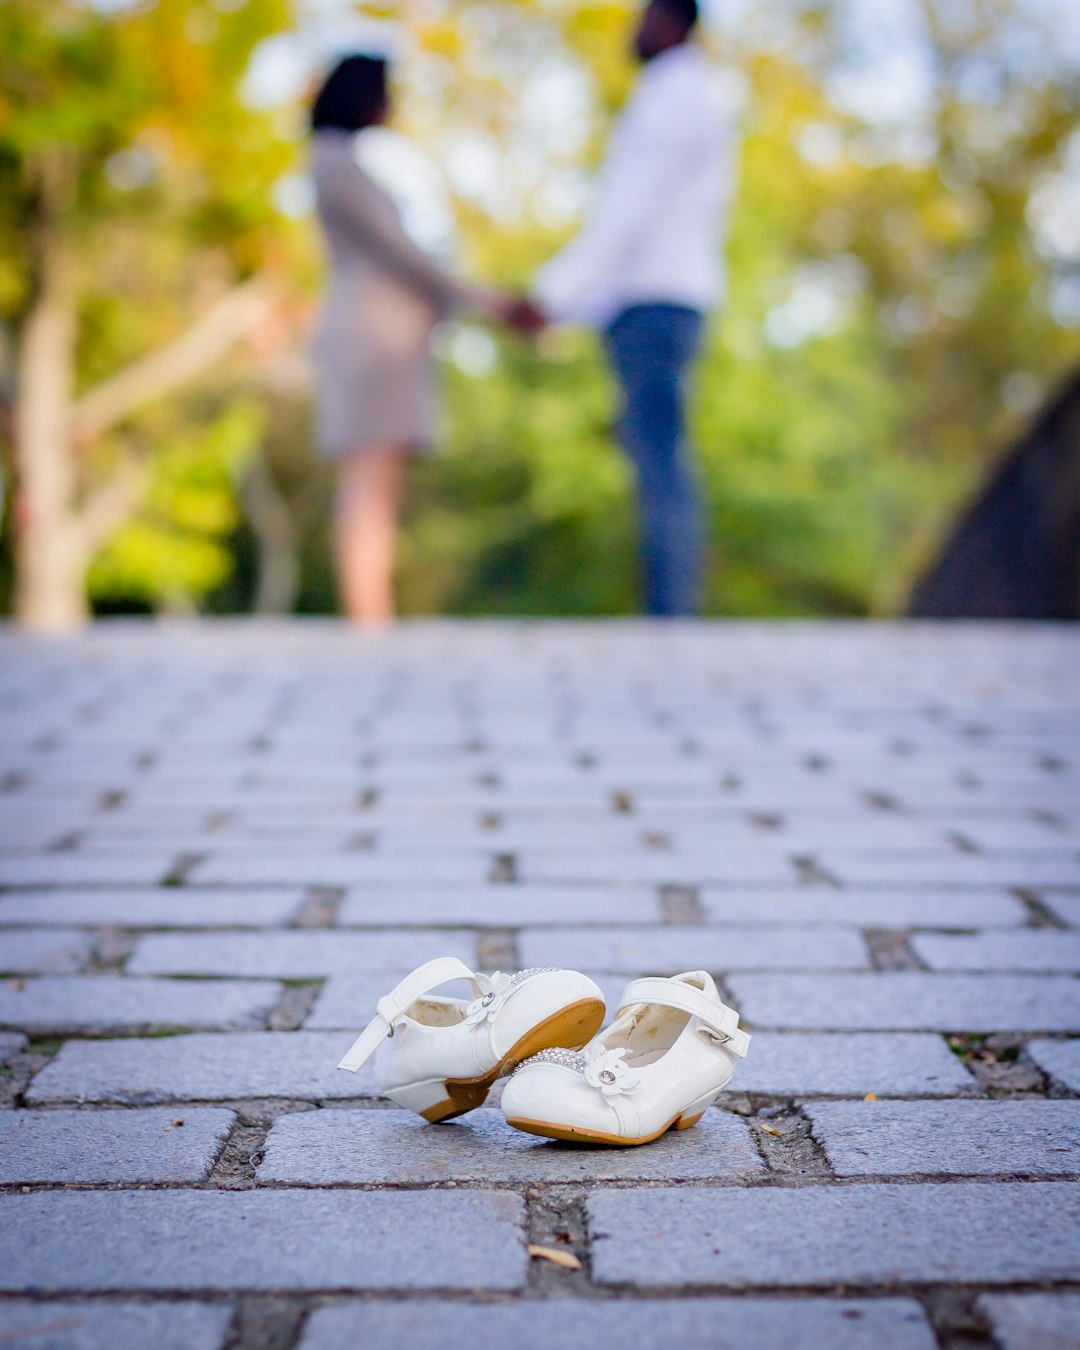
437 1012
648 1033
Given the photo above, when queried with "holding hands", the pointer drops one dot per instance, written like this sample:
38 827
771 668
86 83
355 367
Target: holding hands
517 312
524 315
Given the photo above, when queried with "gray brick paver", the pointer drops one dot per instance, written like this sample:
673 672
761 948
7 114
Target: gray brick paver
578 1324
901 1000
1012 833
951 869
864 908
1059 1059
114 1326
109 1146
861 829
862 1235
11 1042
293 955
348 1001
193 1240
164 907
1033 1321
62 1004
202 1067
839 1064
500 906
668 950
779 794
1064 904
961 1138
718 864
332 1147
1043 949
52 951
78 868
269 867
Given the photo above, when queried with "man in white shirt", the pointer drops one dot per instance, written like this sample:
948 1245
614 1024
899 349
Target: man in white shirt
645 270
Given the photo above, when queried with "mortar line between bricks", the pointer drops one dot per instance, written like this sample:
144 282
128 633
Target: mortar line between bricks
952 1315
495 948
295 1005
257 1322
319 909
890 949
238 1159
321 1296
550 1213
772 1181
378 1103
796 1157
231 1340
914 1289
183 863
1040 914
681 905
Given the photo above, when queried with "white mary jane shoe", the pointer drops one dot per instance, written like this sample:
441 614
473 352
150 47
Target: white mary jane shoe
662 1062
440 1056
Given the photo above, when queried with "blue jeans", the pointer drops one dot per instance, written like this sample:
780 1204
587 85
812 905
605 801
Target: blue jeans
651 348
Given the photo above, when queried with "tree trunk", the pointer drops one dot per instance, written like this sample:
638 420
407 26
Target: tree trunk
50 549
276 541
56 532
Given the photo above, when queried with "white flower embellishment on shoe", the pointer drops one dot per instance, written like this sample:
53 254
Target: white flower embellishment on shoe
605 1070
493 991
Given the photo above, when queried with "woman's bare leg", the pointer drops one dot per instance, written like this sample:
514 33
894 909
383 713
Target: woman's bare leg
370 484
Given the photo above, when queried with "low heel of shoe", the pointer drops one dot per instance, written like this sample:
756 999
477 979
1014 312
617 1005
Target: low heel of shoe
568 1029
695 1111
441 1099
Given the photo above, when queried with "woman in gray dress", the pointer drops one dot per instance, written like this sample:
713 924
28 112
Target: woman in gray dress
376 381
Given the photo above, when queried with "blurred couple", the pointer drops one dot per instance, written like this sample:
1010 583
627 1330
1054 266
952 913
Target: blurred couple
644 270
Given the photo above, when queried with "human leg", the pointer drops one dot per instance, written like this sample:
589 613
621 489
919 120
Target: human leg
651 347
370 486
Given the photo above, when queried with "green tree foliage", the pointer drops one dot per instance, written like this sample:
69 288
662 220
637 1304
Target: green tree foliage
175 547
134 202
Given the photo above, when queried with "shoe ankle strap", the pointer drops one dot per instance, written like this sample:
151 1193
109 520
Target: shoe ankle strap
392 1006
721 1020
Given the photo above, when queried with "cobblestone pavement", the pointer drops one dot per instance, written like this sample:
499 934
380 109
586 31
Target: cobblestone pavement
220 843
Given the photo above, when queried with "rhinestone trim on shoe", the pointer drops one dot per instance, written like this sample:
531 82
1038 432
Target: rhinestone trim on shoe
567 1059
528 974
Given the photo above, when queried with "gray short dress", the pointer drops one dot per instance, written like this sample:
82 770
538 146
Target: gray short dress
376 377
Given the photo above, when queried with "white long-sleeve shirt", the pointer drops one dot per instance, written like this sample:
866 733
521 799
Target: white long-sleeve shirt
654 233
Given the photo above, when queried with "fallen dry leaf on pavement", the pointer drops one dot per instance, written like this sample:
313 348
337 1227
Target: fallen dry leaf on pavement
769 1130
556 1257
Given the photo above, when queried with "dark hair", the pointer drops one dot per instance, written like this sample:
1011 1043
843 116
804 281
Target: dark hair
684 10
352 95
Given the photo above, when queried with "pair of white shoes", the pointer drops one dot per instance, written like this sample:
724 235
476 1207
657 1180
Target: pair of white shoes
669 1053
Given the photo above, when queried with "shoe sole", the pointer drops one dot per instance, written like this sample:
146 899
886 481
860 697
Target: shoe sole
568 1029
571 1134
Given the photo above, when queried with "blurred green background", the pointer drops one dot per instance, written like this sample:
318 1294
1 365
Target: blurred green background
904 292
